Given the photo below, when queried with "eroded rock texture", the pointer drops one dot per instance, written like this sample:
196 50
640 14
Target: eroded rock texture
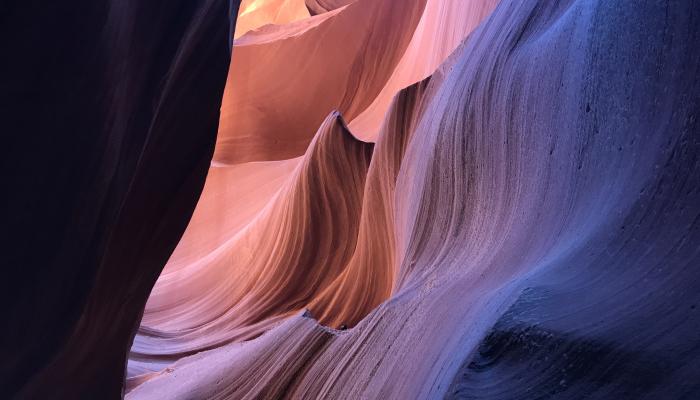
109 119
285 79
407 199
322 6
527 228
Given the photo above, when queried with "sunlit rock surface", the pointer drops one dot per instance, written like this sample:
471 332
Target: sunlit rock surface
254 14
285 79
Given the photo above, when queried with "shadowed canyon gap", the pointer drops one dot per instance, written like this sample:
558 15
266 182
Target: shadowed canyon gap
461 199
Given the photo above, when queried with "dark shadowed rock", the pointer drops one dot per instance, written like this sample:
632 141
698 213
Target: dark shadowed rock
109 117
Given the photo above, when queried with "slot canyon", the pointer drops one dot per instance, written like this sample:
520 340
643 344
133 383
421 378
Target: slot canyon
350 199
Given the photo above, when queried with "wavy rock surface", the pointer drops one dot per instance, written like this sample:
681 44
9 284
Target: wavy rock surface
443 26
368 277
253 14
232 197
232 194
273 267
284 80
526 225
535 212
321 6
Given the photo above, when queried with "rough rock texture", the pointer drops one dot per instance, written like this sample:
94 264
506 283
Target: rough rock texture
109 118
540 238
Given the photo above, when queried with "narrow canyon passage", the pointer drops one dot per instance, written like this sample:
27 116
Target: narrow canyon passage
510 173
247 262
353 199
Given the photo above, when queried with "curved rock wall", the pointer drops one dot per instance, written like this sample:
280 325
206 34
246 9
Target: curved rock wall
528 228
110 114
510 212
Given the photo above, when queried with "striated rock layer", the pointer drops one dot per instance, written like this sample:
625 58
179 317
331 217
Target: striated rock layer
297 246
368 276
462 199
442 27
527 227
285 79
